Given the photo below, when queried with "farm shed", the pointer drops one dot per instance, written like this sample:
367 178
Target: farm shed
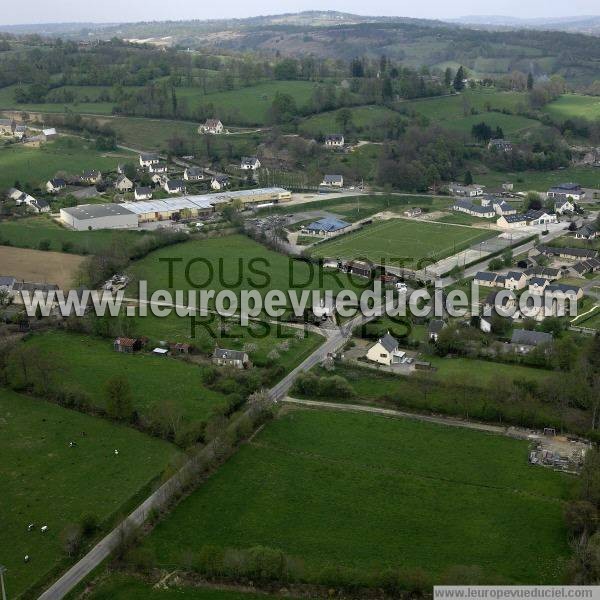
98 216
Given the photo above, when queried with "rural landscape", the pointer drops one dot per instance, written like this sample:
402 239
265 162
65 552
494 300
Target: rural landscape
209 230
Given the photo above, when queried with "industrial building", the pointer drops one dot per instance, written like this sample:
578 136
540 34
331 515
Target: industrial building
98 216
130 214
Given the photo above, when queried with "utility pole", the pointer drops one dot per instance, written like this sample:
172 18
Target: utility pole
2 571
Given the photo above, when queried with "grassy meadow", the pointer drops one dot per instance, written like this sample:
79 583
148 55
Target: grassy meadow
46 482
374 493
36 165
362 117
574 105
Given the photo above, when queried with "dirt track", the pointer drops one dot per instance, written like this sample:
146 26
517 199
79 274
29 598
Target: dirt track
39 266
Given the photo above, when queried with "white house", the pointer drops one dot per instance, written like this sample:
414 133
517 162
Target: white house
143 193
175 186
250 163
537 285
49 134
540 217
148 159
504 208
212 126
470 191
220 182
193 174
38 206
385 351
564 205
230 358
334 140
53 186
157 168
511 221
333 181
467 207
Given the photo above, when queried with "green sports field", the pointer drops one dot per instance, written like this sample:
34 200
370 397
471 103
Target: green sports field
364 492
405 242
46 482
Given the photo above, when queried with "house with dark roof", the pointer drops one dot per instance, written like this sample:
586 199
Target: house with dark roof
360 268
193 174
540 217
500 145
333 181
143 193
123 184
231 358
434 329
563 205
249 163
564 291
524 341
219 182
53 186
512 221
470 191
385 351
91 177
502 207
587 232
537 285
515 280
6 283
572 191
546 272
498 301
570 253
467 207
175 186
590 265
334 140
485 278
149 158
327 226
158 168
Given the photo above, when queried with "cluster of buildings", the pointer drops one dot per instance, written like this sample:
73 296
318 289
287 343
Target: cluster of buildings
24 199
129 215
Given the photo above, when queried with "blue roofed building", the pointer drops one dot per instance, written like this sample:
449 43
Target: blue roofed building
327 226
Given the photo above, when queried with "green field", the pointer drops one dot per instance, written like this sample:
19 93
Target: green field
511 125
448 108
30 231
362 117
119 586
84 364
365 493
572 105
228 263
539 181
36 165
402 241
46 482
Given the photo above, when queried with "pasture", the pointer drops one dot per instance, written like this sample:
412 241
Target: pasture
46 482
575 105
40 266
363 117
511 125
28 232
375 493
84 364
35 166
539 181
400 241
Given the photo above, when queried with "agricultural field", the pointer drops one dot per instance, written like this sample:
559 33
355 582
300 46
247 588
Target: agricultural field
402 241
234 263
84 364
36 165
511 125
539 181
29 232
573 105
40 266
46 482
121 586
445 109
363 117
341 469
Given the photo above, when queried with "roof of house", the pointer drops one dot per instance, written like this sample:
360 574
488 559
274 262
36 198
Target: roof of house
58 182
175 184
514 275
500 142
249 160
143 191
334 137
549 272
539 281
194 171
492 298
486 276
530 338
212 123
514 218
147 156
7 280
333 178
125 342
92 174
564 288
566 187
561 202
436 325
577 252
389 342
122 178
533 215
328 224
589 229
224 353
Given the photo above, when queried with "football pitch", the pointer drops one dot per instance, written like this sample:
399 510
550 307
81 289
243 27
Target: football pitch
403 242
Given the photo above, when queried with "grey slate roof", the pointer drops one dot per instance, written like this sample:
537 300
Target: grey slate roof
225 354
94 211
530 338
486 276
436 325
389 342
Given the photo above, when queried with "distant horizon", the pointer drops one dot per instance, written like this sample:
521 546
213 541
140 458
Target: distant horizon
153 11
